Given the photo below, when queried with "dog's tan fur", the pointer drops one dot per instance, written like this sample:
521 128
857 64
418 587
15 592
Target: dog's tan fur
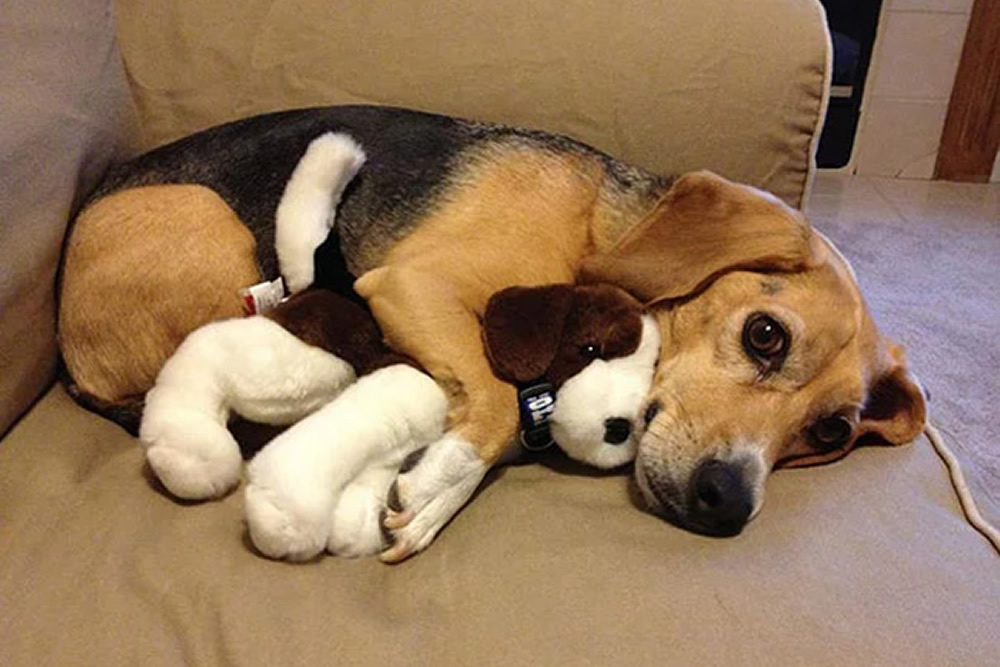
125 250
495 233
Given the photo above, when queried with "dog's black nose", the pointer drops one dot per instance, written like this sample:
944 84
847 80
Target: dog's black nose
721 500
616 430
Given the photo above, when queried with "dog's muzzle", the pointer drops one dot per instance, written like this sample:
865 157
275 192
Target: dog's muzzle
718 500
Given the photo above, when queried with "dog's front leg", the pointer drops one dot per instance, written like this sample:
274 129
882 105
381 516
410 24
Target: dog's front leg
429 319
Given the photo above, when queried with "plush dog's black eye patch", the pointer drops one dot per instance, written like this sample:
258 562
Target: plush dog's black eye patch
651 411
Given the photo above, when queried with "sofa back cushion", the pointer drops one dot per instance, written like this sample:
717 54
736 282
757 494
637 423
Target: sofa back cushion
672 86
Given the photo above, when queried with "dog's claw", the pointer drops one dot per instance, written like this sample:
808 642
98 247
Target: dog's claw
396 553
396 520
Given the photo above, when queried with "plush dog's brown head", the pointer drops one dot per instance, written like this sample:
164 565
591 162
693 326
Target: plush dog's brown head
596 348
769 356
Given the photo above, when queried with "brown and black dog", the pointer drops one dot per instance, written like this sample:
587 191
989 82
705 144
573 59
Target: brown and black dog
769 355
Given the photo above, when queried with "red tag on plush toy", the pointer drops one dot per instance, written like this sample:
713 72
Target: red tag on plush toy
262 297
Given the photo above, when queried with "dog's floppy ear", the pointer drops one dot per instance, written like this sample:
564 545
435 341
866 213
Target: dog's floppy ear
704 226
522 329
895 412
896 409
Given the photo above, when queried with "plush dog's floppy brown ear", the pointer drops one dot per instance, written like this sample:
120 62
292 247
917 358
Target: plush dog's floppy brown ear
704 226
522 329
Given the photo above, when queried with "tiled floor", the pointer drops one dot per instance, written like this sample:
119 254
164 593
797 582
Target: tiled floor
927 255
894 200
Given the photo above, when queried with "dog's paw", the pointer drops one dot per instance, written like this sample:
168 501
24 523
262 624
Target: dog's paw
277 530
356 524
195 459
425 497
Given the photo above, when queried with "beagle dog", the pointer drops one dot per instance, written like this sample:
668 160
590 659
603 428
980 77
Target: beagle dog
769 355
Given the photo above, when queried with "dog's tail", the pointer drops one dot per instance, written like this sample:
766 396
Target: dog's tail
127 412
307 209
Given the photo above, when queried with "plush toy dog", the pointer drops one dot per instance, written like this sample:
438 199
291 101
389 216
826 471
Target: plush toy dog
583 356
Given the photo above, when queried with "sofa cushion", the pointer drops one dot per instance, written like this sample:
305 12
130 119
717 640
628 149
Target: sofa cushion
865 561
672 86
65 111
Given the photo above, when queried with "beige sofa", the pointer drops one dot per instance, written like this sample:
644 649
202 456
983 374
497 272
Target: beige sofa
868 561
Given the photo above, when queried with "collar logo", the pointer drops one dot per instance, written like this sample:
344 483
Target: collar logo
541 408
536 402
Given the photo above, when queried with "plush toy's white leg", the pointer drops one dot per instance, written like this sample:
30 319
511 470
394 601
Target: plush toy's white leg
355 526
294 482
276 378
308 205
251 366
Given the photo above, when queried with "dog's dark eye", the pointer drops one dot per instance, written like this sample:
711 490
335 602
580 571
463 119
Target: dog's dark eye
590 351
765 340
832 432
651 412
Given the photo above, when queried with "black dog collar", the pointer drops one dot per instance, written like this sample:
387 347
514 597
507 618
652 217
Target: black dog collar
536 400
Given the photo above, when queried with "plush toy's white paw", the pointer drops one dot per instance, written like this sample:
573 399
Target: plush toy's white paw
423 499
279 531
356 524
195 458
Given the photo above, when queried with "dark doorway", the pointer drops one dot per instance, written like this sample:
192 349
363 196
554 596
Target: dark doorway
853 24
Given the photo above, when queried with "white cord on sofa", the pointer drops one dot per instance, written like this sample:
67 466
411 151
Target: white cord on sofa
965 499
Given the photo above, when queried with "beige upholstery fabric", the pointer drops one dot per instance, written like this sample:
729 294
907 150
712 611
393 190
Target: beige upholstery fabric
64 108
672 86
864 562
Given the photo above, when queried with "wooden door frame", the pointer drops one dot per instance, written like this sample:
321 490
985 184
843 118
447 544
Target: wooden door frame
971 135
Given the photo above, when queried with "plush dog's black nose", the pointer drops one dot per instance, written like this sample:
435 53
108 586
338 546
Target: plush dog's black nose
721 500
616 430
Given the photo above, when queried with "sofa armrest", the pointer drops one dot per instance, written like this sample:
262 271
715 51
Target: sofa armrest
66 109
